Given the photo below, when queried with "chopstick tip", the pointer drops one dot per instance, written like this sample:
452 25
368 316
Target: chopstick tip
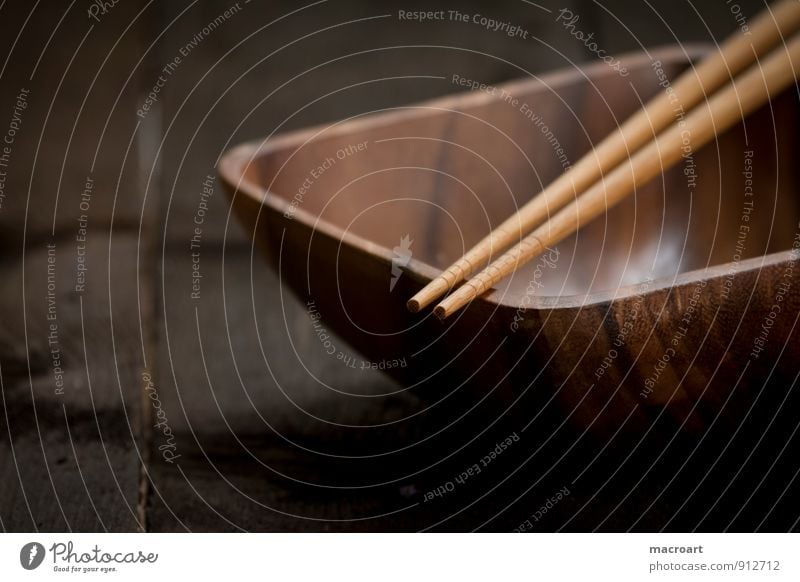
432 291
449 305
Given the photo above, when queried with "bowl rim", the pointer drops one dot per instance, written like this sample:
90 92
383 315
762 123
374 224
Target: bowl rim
234 163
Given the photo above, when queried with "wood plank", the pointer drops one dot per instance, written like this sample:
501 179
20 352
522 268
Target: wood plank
70 422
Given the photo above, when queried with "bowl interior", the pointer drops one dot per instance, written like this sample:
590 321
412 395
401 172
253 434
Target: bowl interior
440 175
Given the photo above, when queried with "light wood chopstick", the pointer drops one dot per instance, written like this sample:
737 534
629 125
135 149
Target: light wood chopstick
730 105
735 54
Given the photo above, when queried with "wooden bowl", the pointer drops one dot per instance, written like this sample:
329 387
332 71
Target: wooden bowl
677 305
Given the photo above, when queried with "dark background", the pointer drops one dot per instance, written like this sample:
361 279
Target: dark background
268 449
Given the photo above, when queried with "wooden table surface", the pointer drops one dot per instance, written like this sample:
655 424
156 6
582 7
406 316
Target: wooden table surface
175 413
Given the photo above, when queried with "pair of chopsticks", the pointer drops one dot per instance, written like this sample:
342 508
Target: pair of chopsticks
609 173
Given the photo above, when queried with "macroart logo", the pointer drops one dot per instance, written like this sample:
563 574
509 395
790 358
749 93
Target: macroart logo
402 255
31 555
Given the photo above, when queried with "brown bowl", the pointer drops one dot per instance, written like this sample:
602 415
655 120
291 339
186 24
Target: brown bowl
677 304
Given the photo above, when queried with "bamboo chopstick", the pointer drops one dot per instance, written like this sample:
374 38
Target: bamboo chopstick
748 92
735 54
